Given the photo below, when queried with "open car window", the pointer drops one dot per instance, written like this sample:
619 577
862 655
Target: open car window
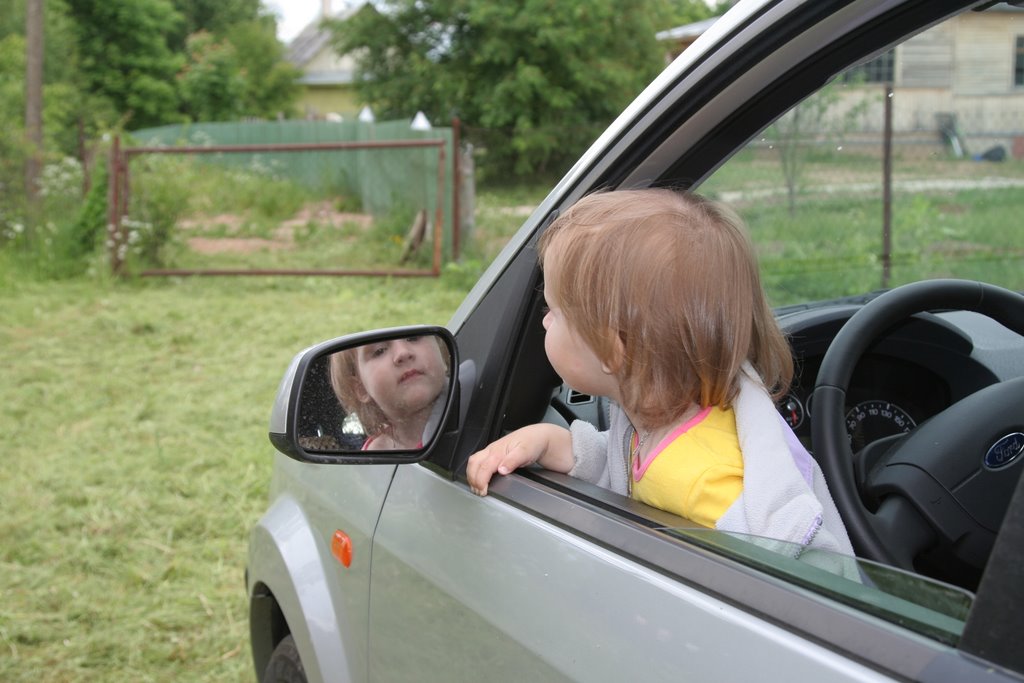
905 167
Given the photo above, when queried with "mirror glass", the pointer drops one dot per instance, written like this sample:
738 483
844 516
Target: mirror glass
388 395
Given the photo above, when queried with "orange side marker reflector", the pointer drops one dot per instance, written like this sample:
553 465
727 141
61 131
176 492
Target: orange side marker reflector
341 548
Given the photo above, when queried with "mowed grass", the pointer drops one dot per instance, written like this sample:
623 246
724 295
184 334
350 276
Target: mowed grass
135 459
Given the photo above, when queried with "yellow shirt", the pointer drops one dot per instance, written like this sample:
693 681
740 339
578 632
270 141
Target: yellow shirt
696 471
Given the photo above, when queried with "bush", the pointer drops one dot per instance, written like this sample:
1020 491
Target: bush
84 234
160 195
55 238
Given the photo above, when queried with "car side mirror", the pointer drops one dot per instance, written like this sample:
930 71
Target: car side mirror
377 397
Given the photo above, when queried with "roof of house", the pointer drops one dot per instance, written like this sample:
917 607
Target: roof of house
312 41
1005 7
691 31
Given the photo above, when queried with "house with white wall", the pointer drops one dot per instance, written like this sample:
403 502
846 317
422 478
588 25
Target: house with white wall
969 70
328 79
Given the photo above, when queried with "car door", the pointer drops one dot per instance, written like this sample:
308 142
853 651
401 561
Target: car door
551 579
466 588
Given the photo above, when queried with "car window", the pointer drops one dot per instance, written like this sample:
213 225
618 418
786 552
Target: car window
924 605
903 168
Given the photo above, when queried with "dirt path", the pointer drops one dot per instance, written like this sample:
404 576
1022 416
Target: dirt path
282 238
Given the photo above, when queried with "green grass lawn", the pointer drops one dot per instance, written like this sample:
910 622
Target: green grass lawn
136 459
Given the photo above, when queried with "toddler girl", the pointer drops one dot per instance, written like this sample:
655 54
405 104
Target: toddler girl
655 302
392 387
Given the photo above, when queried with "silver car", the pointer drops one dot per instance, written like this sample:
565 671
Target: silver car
873 147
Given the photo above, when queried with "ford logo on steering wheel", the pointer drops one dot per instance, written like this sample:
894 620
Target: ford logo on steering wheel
1005 451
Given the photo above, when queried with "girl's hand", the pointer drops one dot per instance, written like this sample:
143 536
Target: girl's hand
547 444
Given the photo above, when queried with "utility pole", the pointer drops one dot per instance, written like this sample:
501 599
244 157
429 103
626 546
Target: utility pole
887 188
33 95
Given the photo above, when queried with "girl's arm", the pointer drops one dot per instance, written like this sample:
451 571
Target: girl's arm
548 445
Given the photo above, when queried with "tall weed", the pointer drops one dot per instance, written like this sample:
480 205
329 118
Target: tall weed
49 238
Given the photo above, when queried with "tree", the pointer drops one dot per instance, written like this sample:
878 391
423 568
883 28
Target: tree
13 149
62 102
211 84
243 73
271 81
246 29
125 57
33 94
672 13
824 116
216 16
109 64
533 80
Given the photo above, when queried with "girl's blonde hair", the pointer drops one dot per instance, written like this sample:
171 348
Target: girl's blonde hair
674 277
344 372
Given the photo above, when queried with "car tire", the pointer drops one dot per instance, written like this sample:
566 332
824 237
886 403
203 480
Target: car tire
285 665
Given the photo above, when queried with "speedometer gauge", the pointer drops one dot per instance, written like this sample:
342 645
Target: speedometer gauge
873 420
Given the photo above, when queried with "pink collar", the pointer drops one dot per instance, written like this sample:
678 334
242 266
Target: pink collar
640 467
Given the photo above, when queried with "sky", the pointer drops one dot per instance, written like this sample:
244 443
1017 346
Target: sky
293 15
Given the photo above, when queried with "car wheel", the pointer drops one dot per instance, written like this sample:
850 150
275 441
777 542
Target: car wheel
285 666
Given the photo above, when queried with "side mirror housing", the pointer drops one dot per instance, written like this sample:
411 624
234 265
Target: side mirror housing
371 398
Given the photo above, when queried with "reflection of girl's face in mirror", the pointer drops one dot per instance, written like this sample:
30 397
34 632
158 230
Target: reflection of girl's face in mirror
403 376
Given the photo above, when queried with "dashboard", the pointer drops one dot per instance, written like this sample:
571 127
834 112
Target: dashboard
914 372
888 395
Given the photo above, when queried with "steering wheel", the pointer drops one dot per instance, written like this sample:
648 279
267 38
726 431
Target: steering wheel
947 483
